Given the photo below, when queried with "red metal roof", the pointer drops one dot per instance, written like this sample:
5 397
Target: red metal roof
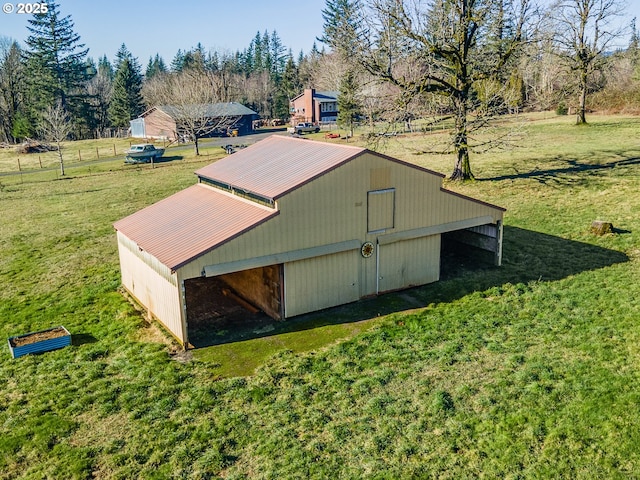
190 223
278 164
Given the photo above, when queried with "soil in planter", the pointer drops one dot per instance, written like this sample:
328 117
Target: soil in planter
38 337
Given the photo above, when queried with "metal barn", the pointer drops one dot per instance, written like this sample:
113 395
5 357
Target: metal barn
294 226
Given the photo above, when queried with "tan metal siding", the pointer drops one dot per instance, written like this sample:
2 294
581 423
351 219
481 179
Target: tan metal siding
409 263
321 282
152 285
152 262
380 178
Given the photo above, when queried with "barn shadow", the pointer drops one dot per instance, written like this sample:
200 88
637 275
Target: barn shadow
527 256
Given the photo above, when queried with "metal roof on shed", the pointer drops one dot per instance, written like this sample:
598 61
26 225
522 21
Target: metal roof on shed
214 110
278 164
190 223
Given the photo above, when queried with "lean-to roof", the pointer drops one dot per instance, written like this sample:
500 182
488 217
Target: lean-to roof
190 223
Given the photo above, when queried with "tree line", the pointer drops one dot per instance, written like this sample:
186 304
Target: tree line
465 62
53 69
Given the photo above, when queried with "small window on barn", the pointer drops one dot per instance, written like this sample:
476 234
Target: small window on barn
381 210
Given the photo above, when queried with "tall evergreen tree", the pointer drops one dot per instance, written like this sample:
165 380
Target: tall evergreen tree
126 99
278 55
178 61
259 50
105 68
342 25
195 59
290 83
11 89
348 105
56 69
155 66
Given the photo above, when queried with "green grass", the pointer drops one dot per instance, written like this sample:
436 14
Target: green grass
525 371
72 153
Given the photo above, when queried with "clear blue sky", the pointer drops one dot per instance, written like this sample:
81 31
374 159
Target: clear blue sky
148 27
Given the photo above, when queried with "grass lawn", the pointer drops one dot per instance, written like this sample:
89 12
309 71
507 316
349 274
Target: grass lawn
531 370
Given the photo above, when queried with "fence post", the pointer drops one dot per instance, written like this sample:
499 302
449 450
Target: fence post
114 149
19 167
40 161
97 153
79 156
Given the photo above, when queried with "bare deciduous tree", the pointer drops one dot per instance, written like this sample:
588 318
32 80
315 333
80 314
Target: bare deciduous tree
455 49
55 126
190 98
584 31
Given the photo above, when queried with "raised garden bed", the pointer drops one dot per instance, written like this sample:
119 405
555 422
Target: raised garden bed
38 342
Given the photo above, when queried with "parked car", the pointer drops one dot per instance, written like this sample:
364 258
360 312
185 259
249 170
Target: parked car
304 127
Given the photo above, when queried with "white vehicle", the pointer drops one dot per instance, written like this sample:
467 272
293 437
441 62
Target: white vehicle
304 127
143 153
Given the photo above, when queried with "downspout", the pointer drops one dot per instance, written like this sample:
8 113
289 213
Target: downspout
377 267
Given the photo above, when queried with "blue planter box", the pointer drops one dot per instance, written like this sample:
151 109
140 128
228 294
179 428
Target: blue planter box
37 342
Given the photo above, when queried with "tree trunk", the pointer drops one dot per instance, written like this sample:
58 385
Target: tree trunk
195 143
462 167
61 160
582 109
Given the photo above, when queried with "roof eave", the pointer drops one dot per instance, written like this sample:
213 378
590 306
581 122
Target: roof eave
471 199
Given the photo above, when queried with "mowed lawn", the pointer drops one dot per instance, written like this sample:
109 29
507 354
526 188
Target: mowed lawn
531 370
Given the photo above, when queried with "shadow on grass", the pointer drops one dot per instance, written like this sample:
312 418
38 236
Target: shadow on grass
573 166
167 159
82 338
527 256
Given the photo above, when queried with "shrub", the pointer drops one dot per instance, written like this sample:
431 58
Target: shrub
562 109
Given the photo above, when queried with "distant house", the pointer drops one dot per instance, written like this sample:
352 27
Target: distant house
161 121
314 107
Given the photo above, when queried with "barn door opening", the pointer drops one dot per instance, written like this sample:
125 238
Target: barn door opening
219 304
470 249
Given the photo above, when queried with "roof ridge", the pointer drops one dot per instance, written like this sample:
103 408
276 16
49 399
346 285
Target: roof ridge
318 142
